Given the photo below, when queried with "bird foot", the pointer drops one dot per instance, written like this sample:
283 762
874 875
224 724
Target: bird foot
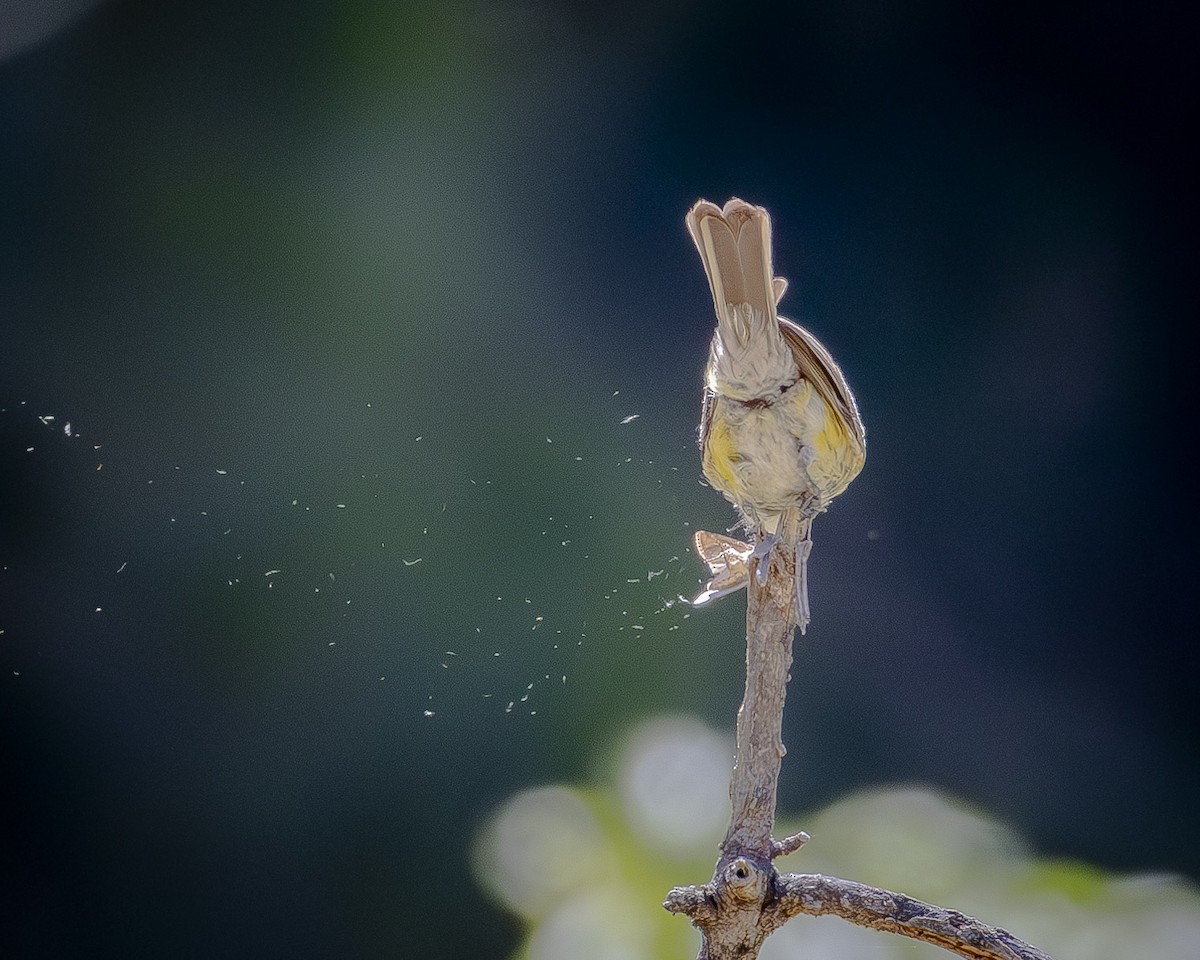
760 557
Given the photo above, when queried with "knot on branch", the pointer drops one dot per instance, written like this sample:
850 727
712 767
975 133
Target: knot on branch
744 880
732 908
740 884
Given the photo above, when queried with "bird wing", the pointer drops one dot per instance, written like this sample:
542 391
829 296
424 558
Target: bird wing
819 368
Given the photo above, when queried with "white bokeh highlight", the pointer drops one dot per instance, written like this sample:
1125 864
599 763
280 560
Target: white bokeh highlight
674 786
541 845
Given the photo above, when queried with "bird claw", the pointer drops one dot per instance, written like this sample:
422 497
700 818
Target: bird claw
803 615
762 550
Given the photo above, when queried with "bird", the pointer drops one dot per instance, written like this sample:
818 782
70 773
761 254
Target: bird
779 428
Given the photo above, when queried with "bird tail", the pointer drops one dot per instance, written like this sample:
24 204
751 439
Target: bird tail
750 357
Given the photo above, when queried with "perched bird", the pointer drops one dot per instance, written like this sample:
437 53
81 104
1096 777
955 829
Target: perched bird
779 428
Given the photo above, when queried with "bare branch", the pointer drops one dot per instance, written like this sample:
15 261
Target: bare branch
770 625
747 898
729 910
816 895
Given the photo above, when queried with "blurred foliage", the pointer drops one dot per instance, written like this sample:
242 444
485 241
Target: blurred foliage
585 872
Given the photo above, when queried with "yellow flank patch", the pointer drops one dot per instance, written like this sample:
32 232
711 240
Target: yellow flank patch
720 456
835 459
830 441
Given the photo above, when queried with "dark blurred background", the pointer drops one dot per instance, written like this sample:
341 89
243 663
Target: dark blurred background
320 529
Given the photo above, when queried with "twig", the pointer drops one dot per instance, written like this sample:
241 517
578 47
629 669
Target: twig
747 898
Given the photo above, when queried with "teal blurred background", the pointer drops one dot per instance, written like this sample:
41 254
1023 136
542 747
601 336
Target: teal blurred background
346 304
